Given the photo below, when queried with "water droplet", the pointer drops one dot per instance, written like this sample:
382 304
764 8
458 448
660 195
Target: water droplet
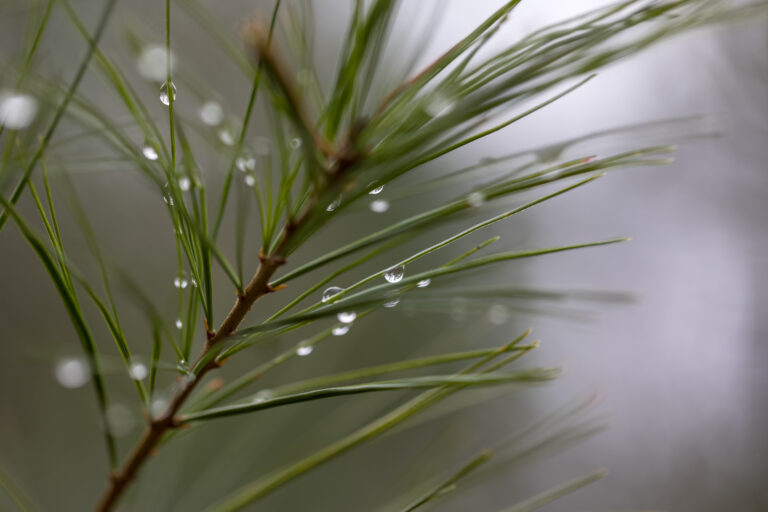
250 180
346 317
498 314
395 274
148 151
376 190
476 199
245 162
340 330
304 350
379 205
193 282
185 183
211 113
295 143
226 136
72 372
17 110
262 396
157 407
334 204
180 282
179 323
423 283
392 303
167 195
121 420
331 292
138 371
167 93
153 63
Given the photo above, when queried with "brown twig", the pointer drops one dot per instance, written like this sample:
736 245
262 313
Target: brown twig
158 427
345 157
263 50
257 287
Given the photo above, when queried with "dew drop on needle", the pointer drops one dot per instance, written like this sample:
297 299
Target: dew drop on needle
395 274
304 350
346 317
72 372
331 292
340 330
167 93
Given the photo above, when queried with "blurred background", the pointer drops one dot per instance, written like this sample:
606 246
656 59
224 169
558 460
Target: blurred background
679 370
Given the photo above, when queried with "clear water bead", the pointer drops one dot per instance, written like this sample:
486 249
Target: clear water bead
392 303
331 292
138 371
180 282
245 162
72 372
395 274
379 205
226 136
423 283
148 151
304 350
375 191
340 330
167 195
211 113
153 63
476 199
250 180
167 93
179 324
17 110
295 143
335 204
185 183
346 317
262 396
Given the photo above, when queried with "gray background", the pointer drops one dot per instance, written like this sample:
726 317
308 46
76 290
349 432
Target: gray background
680 371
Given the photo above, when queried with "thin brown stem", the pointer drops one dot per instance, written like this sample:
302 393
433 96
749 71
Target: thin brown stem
259 286
158 427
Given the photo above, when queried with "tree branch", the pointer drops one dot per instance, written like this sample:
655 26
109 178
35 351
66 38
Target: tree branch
259 285
158 427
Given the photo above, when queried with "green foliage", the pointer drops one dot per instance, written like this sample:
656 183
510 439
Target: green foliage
328 151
